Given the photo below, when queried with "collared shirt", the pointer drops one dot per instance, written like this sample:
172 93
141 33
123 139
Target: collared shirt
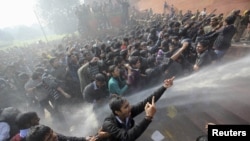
95 86
125 124
4 131
23 133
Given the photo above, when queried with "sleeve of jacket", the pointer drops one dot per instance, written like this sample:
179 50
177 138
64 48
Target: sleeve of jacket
123 134
211 35
82 72
88 92
139 107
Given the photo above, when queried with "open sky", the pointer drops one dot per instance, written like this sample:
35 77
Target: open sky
17 12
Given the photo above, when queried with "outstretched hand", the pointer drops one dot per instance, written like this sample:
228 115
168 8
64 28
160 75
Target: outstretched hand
168 82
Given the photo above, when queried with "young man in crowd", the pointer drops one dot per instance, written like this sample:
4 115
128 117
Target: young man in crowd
24 121
121 125
204 56
45 133
8 128
96 91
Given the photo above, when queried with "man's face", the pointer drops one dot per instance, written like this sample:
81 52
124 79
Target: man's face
199 48
52 136
35 121
100 83
125 110
88 56
56 63
138 64
116 72
213 23
73 58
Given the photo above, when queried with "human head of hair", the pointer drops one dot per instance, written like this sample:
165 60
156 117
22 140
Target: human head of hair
100 77
166 35
39 70
116 103
125 40
204 43
133 60
10 113
144 53
23 76
35 75
137 45
38 133
52 60
151 61
230 20
24 120
124 53
87 55
82 61
112 68
135 52
117 60
214 20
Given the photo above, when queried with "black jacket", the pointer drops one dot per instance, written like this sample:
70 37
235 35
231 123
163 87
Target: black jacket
223 37
91 93
119 132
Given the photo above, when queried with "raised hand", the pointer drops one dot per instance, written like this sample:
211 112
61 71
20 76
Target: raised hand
168 82
150 109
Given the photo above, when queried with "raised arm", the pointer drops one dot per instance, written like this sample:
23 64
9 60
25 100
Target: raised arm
139 107
178 53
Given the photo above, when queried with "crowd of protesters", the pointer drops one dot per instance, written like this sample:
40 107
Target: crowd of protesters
98 16
147 50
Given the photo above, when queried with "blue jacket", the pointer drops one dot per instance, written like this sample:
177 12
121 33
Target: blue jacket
117 86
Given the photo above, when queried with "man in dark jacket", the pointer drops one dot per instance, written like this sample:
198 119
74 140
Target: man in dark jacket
45 133
204 56
97 90
223 37
120 124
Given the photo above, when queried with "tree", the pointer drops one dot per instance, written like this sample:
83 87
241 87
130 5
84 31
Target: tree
58 15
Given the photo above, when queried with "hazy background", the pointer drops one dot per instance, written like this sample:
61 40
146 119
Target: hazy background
31 19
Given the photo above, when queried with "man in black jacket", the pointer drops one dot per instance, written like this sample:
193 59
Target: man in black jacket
120 124
45 133
223 37
97 90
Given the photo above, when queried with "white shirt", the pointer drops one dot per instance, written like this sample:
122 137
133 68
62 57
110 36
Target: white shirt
4 131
